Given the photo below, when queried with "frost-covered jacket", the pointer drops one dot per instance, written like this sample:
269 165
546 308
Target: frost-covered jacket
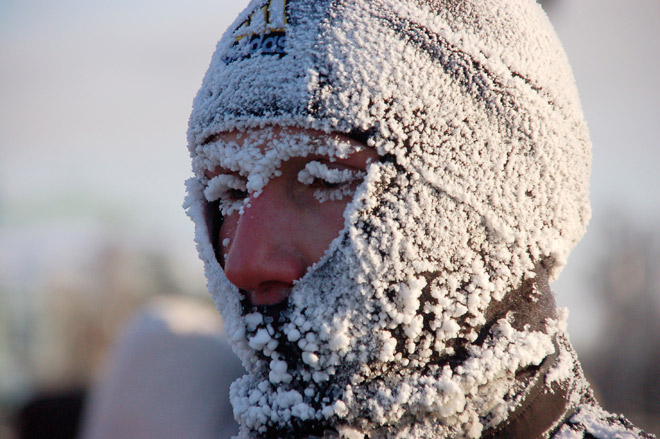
429 316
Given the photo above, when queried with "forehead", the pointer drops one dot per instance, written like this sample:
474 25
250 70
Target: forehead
261 149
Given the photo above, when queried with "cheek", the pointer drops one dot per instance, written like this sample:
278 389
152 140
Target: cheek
336 213
327 225
226 234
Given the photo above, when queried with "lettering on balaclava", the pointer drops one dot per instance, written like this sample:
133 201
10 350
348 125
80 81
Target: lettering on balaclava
262 33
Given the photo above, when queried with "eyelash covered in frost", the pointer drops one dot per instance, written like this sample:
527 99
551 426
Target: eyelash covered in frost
220 187
315 171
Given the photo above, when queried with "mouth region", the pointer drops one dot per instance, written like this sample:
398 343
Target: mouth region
268 294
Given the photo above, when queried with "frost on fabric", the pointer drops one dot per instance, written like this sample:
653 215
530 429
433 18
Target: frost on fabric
483 175
594 422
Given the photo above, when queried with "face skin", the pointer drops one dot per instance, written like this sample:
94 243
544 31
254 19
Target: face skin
286 228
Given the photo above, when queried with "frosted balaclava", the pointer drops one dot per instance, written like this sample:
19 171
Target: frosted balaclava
429 315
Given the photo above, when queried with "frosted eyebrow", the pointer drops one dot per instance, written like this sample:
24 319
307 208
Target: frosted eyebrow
217 187
211 139
315 169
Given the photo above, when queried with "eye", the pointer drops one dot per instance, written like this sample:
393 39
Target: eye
229 190
330 182
320 175
237 194
325 184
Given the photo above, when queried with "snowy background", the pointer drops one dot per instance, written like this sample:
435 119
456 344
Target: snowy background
94 101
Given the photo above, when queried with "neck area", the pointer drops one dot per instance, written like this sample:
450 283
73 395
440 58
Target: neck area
540 396
544 404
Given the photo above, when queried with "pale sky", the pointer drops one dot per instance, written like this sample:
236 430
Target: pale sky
95 96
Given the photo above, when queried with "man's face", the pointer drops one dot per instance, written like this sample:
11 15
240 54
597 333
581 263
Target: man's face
268 240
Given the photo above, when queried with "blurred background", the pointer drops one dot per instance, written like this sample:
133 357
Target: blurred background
94 102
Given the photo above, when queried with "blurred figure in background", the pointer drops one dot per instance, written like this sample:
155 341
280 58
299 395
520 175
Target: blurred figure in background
167 378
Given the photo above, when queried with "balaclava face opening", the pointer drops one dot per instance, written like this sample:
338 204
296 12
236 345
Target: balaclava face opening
482 184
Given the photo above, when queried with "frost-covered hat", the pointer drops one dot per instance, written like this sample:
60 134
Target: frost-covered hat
484 176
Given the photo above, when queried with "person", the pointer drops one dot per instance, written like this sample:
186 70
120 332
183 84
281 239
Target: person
167 377
383 191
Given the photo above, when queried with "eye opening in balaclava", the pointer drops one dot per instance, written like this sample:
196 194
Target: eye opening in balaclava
212 209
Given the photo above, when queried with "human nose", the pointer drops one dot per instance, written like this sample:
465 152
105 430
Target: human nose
261 258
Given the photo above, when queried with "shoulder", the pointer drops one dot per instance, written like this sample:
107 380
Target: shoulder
592 422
